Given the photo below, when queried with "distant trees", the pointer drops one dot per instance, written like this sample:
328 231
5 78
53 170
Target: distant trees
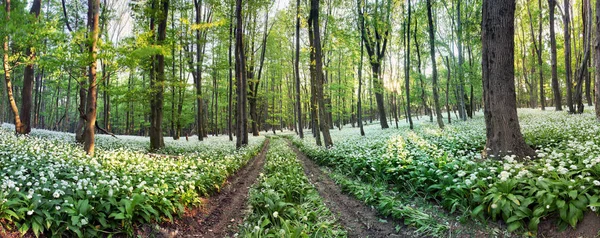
502 123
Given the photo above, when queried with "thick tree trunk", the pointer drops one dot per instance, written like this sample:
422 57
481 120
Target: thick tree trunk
501 120
434 80
28 78
315 118
242 84
90 115
157 100
555 84
314 12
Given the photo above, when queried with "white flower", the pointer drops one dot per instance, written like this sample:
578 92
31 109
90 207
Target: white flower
57 208
596 182
275 214
504 175
256 228
547 206
29 213
84 221
494 206
56 194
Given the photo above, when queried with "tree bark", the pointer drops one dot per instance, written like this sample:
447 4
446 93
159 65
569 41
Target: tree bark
314 12
297 72
230 87
434 80
582 71
313 86
502 123
597 62
28 78
240 71
568 70
407 67
90 115
555 85
461 85
157 85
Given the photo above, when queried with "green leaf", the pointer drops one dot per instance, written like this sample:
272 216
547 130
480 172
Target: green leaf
560 203
573 194
513 199
514 226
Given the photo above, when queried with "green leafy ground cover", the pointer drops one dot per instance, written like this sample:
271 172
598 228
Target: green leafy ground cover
49 185
284 203
446 167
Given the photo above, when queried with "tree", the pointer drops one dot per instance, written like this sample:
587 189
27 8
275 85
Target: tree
568 70
375 34
28 77
555 84
19 127
501 121
90 115
297 72
314 20
582 70
241 83
597 62
434 79
157 82
407 66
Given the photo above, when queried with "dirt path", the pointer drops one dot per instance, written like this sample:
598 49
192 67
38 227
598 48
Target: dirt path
358 219
220 215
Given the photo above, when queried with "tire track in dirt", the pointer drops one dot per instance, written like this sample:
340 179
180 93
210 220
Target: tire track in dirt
359 219
220 215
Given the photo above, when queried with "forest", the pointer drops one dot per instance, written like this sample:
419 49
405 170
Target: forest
300 118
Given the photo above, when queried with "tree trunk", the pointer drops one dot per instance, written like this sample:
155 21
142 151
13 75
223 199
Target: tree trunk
230 87
448 90
157 100
90 115
28 78
434 80
501 120
568 70
297 72
313 86
314 19
19 127
407 67
240 71
461 85
555 83
582 71
597 62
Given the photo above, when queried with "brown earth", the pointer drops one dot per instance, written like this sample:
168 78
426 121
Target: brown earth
589 227
359 219
220 215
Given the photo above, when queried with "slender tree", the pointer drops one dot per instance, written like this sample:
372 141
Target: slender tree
555 85
569 74
157 85
297 72
407 66
597 62
501 120
434 80
19 127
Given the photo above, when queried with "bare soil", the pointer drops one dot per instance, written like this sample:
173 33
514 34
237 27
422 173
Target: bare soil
589 227
220 215
359 219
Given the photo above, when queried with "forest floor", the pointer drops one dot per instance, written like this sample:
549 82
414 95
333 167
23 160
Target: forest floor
220 215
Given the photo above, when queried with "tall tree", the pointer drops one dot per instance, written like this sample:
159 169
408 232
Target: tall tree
555 84
90 115
28 77
461 75
314 20
157 82
434 80
375 34
297 72
407 66
241 83
597 62
569 74
19 127
582 70
501 120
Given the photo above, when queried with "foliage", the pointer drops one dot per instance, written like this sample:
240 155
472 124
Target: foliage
284 203
50 186
446 165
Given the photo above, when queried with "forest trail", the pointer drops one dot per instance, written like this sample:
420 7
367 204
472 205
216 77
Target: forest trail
220 215
359 219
